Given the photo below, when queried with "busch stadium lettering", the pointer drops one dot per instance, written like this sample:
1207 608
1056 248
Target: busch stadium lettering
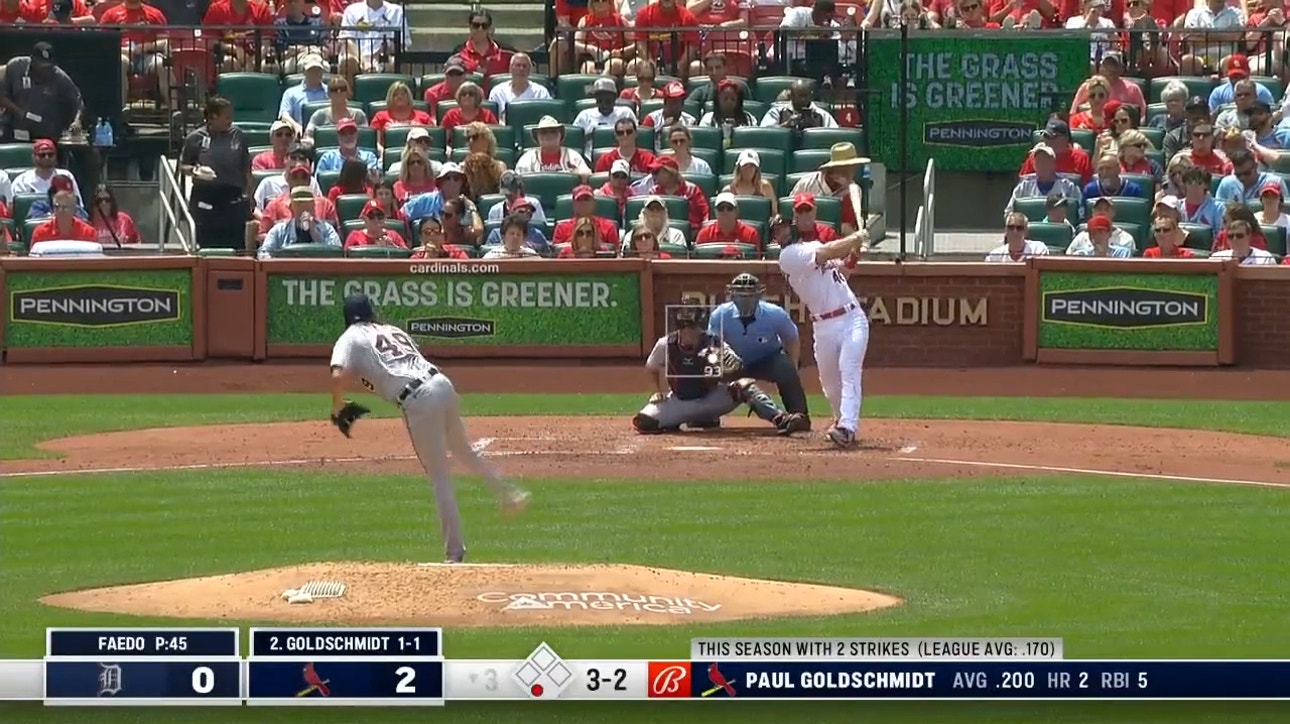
95 306
1125 307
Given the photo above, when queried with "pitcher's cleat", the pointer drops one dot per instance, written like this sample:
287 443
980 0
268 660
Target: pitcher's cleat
841 437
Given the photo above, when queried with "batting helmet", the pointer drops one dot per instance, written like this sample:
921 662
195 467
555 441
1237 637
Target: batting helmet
358 308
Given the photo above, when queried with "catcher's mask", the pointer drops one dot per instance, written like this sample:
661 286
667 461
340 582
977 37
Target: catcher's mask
358 308
745 291
689 318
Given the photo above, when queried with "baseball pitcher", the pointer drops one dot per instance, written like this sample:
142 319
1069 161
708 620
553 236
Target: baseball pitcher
697 379
764 336
817 272
385 361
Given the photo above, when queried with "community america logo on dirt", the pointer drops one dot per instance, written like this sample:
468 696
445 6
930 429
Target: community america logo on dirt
598 601
95 306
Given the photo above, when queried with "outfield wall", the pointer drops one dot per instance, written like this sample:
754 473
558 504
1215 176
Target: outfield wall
1055 310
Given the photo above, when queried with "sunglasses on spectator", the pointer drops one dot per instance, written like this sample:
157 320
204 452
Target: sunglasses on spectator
1016 227
1123 121
1237 234
480 25
283 134
104 199
585 232
644 237
377 216
1201 134
415 162
618 175
337 91
726 207
624 131
1163 229
1135 3
1097 94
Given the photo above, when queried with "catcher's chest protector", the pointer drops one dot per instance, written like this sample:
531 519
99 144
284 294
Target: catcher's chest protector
685 368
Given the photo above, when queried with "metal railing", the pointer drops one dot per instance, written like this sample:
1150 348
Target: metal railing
175 218
925 225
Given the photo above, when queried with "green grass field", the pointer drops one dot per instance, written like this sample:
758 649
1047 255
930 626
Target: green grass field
1118 568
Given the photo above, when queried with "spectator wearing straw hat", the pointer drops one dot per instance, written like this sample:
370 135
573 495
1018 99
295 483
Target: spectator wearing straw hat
551 155
834 178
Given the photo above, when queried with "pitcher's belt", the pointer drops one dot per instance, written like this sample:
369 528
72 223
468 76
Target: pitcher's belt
415 385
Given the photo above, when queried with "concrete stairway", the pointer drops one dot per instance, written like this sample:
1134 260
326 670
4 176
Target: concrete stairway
442 26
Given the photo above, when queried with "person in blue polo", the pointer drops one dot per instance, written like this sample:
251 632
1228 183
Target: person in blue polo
765 338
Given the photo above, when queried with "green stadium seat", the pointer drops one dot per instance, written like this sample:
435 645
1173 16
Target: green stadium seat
15 154
350 206
1196 86
488 201
372 87
705 181
678 209
22 204
772 161
780 139
771 251
1158 156
391 156
718 251
1274 86
30 225
1035 208
606 207
682 225
549 186
808 160
705 137
327 179
521 114
503 135
769 88
1086 139
398 226
1199 236
574 136
785 187
309 251
1056 235
1146 181
1153 110
326 137
678 251
397 137
1276 237
828 209
254 134
711 156
1129 210
255 96
378 252
753 209
824 138
605 137
1155 135
262 174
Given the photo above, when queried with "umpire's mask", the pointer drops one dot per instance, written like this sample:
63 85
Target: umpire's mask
745 292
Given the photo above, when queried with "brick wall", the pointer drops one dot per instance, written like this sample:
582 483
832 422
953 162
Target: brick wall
965 315
1262 321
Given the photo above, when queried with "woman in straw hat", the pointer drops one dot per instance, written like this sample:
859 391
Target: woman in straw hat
834 179
551 155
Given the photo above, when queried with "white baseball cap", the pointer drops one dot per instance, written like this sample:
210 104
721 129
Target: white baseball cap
620 166
417 133
1169 201
748 156
312 61
280 124
1045 149
725 197
449 168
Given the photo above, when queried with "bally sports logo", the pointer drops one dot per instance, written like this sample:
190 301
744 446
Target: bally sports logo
95 306
1126 308
598 601
669 679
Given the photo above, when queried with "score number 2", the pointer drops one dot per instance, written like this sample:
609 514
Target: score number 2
406 675
594 680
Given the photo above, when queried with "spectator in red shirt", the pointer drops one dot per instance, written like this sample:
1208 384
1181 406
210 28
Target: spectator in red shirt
279 208
1101 107
481 53
657 41
971 16
1203 153
283 136
643 244
65 226
398 112
1071 159
638 159
470 108
568 13
722 40
727 229
600 45
433 244
1169 239
80 13
644 90
667 181
374 231
584 209
454 74
1022 12
805 227
240 46
142 51
619 185
586 240
13 12
1116 86
352 180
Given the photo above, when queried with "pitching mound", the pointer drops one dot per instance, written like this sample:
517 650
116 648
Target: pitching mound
478 595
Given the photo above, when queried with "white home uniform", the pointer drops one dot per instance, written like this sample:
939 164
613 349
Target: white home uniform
388 363
841 327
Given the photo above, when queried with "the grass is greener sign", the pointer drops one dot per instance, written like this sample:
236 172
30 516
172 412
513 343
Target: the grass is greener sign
974 99
463 309
1150 312
108 308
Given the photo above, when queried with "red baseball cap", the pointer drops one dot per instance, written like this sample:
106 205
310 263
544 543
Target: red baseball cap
1100 223
61 183
582 192
44 145
804 201
665 162
1238 66
298 171
674 90
372 208
346 124
1270 187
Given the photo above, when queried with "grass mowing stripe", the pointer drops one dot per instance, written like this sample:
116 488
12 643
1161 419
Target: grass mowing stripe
27 420
1102 566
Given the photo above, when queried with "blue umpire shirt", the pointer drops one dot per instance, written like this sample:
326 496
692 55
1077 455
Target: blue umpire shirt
770 330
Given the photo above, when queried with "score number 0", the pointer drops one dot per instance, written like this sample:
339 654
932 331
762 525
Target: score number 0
203 680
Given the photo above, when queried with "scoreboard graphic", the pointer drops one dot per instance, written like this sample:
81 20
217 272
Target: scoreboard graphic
379 667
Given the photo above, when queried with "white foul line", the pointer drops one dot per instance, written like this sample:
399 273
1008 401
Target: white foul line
1090 471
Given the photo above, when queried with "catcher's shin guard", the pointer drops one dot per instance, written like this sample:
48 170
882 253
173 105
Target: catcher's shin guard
746 390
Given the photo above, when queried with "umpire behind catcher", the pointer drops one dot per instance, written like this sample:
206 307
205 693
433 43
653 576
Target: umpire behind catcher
765 338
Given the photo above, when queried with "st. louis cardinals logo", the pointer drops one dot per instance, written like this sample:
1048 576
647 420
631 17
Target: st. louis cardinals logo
669 680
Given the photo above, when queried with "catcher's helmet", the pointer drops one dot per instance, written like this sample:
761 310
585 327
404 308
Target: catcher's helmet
358 308
690 316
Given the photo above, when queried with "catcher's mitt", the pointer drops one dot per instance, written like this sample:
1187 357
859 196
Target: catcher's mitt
723 360
344 419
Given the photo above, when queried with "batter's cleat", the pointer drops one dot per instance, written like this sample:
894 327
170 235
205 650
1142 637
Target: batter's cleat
515 503
705 425
841 437
460 558
791 422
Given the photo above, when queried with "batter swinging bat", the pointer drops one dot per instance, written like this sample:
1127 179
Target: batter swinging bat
853 193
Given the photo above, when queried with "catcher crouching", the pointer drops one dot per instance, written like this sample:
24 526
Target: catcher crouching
697 379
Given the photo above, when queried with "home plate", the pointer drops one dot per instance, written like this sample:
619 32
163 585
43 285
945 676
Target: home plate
693 448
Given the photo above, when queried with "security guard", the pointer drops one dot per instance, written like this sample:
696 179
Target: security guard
218 160
765 338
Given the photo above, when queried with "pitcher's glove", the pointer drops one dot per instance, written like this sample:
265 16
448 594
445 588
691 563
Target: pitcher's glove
348 414
722 359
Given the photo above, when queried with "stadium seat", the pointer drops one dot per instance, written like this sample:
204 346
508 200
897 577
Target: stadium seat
828 209
254 134
772 251
22 204
485 202
705 181
262 174
1056 235
574 137
1153 110
1146 181
824 138
398 226
718 251
372 87
1199 236
572 86
1196 86
753 209
327 179
255 96
1155 135
309 251
605 137
1158 156
780 139
549 186
30 225
350 206
677 208
1130 210
325 137
1274 86
1276 237
378 252
525 113
503 135
397 137
1036 208
682 225
767 89
808 160
15 154
678 251
772 161
711 156
1086 139
606 207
